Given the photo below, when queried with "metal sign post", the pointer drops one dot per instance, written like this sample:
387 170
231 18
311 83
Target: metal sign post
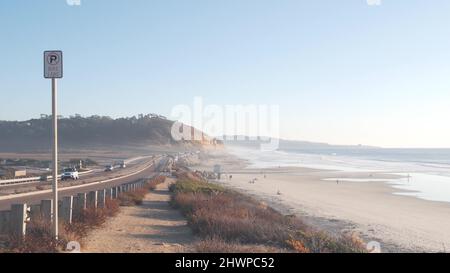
53 69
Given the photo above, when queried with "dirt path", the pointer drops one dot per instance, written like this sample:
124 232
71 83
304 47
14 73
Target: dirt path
153 227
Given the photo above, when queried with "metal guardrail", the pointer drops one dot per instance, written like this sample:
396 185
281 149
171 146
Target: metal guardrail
38 178
30 179
19 181
14 221
63 189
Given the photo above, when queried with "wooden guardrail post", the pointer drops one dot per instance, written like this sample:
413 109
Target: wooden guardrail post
4 221
92 200
114 193
67 209
35 211
109 193
18 219
101 198
79 205
47 210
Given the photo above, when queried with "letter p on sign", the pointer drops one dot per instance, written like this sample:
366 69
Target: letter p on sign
53 64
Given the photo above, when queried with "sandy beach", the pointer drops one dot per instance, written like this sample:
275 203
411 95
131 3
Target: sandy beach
399 223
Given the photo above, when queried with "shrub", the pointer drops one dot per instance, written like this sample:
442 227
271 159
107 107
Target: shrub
321 242
112 207
191 186
133 198
39 238
217 245
235 219
215 212
152 183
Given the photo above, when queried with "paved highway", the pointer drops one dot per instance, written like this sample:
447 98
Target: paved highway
86 177
149 170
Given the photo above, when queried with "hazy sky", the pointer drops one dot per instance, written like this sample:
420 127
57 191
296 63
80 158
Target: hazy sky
342 72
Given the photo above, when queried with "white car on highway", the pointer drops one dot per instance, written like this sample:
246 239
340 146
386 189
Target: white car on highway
70 173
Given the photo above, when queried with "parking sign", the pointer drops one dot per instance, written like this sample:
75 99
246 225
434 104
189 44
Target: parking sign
53 64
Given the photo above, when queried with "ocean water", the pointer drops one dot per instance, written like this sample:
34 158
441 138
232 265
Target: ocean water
425 172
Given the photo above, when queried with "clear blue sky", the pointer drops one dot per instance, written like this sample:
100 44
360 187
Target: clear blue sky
342 72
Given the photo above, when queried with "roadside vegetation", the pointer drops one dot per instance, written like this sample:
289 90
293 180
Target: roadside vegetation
135 198
39 237
228 221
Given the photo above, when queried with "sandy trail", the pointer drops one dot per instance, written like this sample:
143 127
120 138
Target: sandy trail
153 227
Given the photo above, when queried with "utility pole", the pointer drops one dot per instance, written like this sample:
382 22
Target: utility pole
53 69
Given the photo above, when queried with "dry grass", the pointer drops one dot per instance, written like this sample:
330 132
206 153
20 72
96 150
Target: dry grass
39 237
135 198
152 183
312 241
217 245
236 221
40 188
235 218
93 218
